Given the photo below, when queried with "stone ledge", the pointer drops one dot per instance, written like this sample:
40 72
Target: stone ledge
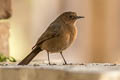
60 72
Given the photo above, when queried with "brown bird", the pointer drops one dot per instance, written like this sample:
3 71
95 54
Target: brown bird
59 35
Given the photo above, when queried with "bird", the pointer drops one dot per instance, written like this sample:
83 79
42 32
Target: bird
59 35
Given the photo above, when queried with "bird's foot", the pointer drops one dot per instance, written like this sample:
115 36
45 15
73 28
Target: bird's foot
65 63
51 64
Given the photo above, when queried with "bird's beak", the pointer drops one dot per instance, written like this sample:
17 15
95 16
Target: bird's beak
78 17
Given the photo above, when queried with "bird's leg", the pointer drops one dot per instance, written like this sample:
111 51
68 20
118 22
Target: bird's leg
63 58
48 58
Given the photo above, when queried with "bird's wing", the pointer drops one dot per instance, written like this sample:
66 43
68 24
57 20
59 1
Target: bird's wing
52 31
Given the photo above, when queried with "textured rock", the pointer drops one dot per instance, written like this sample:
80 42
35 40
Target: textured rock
60 72
4 35
5 9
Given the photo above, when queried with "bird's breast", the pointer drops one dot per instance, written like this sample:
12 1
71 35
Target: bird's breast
73 34
61 42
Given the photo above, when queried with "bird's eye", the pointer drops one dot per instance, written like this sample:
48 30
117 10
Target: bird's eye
70 16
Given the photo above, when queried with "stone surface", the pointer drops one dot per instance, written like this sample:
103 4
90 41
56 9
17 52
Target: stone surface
60 72
5 9
4 35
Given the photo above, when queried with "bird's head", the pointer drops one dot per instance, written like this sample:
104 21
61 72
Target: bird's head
70 17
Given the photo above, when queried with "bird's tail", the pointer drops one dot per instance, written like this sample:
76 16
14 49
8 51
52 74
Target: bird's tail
28 58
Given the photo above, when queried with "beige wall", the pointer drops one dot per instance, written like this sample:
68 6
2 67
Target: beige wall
20 28
98 34
113 31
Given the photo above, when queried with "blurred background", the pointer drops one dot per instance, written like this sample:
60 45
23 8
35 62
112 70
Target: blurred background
98 38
